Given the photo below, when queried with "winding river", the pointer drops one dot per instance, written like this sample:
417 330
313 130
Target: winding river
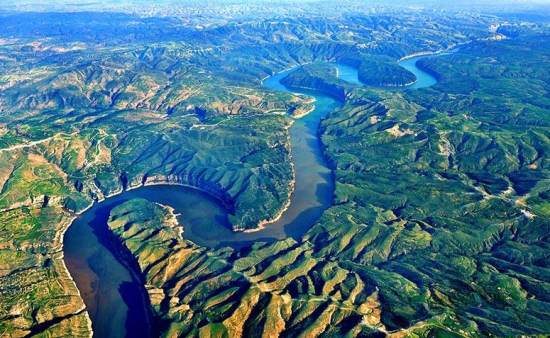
112 290
423 78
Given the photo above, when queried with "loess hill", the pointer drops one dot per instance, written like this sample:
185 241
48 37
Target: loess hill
431 232
440 221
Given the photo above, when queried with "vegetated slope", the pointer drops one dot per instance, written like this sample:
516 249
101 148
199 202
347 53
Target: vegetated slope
379 71
126 122
71 136
430 233
323 77
320 77
384 74
88 108
443 190
278 289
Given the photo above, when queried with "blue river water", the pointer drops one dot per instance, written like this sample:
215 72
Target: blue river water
423 78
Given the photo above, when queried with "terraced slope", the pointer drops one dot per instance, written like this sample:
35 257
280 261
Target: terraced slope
279 289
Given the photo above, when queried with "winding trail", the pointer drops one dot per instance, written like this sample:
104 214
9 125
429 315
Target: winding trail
34 143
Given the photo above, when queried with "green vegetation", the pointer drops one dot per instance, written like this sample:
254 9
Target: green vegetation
384 74
87 131
439 225
379 71
318 76
429 234
428 183
36 288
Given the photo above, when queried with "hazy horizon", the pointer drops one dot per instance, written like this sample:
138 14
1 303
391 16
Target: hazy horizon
70 5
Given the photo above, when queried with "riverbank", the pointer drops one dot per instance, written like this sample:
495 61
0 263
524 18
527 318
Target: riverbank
203 214
67 276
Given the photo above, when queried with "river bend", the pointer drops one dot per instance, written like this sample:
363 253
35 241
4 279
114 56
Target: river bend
109 284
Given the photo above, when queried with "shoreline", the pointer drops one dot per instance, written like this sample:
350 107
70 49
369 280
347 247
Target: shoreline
171 219
208 193
292 186
263 224
75 216
84 309
450 49
433 53
282 71
138 274
305 113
